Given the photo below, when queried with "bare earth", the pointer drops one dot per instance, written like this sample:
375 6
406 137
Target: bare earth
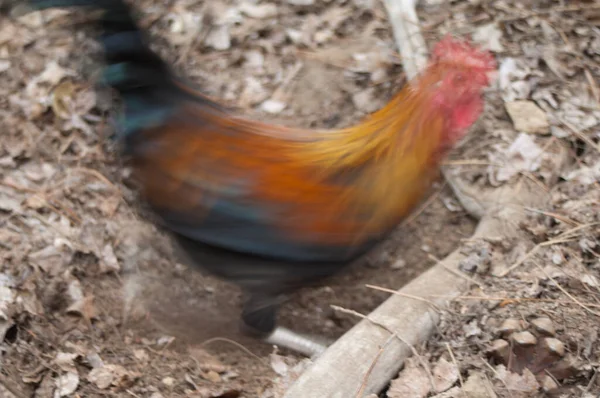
95 302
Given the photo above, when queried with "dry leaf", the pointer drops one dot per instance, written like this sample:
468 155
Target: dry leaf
525 383
412 382
478 386
585 175
66 361
513 80
109 261
108 375
522 155
445 374
279 364
528 117
489 37
62 98
83 305
66 384
259 11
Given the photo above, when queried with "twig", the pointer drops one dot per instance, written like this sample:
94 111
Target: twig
562 289
17 187
132 393
531 253
562 238
497 376
556 216
234 343
460 379
593 84
161 352
580 134
421 361
393 334
98 175
397 293
363 386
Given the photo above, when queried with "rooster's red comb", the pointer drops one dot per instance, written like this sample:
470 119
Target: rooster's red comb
461 52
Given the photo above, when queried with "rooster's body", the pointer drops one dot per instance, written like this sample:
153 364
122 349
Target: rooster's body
274 208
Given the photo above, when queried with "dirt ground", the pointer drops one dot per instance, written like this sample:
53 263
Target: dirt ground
95 302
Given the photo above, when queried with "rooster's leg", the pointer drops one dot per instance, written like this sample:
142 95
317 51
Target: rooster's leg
259 320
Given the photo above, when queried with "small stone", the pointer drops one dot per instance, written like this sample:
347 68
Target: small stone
565 368
213 376
168 381
365 100
509 326
554 346
273 106
323 36
523 338
548 384
378 75
500 349
294 35
528 117
94 360
472 329
544 325
398 264
557 259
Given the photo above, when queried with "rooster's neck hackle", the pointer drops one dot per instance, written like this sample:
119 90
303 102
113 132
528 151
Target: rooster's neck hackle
409 125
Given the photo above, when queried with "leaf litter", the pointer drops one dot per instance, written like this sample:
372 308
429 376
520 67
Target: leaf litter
70 240
518 335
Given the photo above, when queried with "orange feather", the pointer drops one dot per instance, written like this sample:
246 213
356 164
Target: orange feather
338 187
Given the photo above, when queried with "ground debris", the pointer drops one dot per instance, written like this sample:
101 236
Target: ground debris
72 236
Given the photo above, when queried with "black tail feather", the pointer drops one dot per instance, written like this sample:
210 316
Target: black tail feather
143 80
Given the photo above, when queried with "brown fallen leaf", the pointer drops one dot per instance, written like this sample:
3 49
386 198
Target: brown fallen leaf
412 382
84 308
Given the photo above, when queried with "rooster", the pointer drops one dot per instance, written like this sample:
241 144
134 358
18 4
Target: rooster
274 208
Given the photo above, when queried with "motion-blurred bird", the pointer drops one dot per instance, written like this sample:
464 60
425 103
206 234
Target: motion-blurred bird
273 208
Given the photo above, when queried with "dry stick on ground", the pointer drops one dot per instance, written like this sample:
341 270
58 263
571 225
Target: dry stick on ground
340 371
